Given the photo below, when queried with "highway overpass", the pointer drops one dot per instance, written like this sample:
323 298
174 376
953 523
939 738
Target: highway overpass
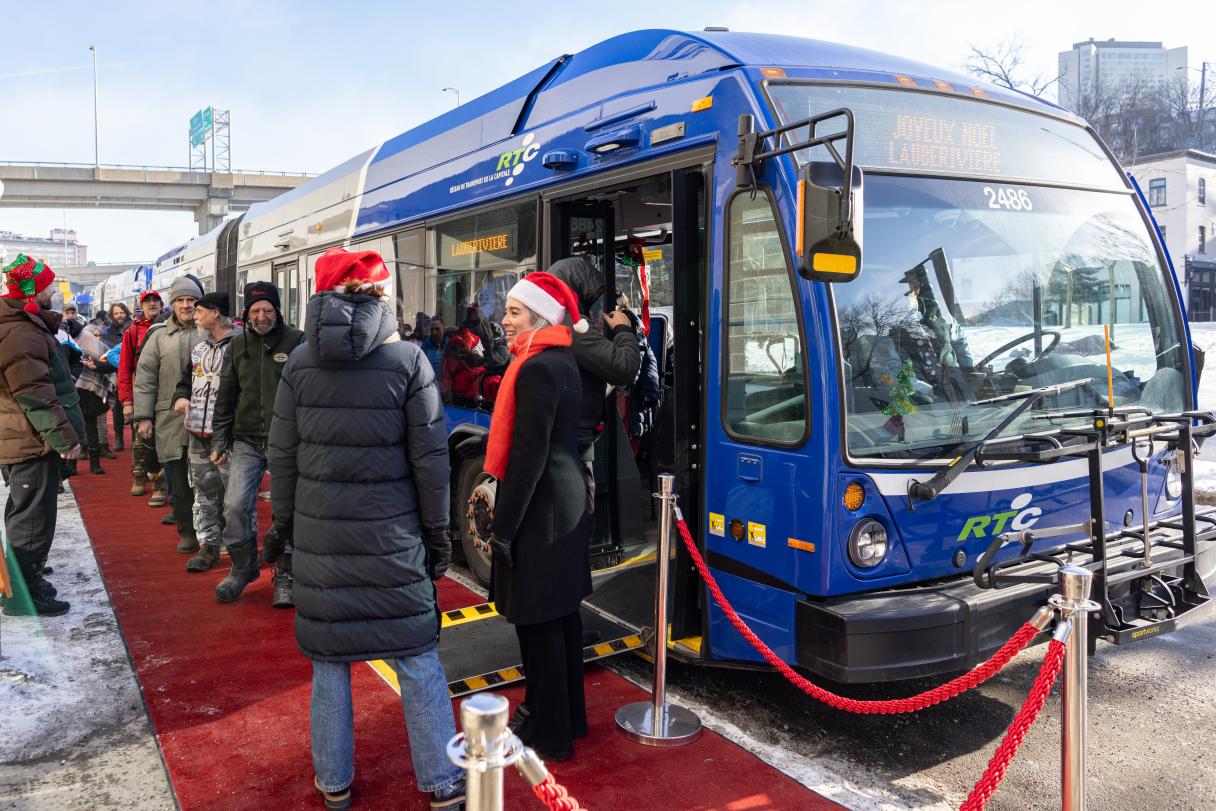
211 196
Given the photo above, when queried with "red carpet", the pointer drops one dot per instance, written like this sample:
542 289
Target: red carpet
228 691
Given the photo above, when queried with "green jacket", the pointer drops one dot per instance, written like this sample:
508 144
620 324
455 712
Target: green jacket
249 380
39 406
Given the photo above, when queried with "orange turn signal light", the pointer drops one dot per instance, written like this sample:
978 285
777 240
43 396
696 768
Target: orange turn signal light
854 497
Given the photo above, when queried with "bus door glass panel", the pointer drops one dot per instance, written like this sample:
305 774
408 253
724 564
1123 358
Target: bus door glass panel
765 390
414 279
478 259
284 279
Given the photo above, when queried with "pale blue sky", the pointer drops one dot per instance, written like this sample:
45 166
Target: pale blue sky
312 83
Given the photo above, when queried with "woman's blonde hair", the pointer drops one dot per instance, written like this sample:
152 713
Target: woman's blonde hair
356 286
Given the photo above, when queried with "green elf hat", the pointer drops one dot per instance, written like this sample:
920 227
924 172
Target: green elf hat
26 278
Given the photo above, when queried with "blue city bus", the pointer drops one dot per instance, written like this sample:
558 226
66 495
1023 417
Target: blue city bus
878 295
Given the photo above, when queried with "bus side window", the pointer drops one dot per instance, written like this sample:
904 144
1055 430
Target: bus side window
764 390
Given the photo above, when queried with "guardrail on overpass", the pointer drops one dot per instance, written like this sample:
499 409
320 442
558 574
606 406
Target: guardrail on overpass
211 196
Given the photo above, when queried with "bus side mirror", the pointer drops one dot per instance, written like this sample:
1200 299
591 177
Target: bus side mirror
829 223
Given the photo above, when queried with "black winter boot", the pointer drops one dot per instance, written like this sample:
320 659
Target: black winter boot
245 569
205 560
106 453
282 583
187 543
95 462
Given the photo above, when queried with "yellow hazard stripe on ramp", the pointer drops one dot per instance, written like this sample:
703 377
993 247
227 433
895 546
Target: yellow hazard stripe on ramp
460 616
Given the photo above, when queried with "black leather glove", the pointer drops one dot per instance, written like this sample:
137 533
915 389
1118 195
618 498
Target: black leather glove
438 551
276 540
501 550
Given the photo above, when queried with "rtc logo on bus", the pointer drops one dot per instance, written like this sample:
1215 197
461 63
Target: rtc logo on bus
510 165
516 160
1018 517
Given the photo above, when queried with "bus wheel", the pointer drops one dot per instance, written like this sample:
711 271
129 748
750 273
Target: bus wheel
476 493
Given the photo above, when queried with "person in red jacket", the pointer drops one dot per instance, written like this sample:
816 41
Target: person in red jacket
144 464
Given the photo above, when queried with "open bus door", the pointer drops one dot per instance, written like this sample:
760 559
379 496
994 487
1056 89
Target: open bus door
477 647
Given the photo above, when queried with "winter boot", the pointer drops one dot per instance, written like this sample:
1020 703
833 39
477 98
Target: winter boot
282 583
205 560
160 490
118 446
106 453
41 602
95 463
245 569
138 487
187 543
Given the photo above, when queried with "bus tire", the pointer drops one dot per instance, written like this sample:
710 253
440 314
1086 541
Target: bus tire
475 509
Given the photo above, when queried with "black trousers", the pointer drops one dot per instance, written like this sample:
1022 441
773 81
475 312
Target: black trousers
552 654
29 515
178 471
120 422
92 407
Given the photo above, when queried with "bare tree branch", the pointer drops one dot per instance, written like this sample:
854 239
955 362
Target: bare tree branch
1004 64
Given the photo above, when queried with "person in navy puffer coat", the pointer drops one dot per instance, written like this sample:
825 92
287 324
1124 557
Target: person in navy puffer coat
359 479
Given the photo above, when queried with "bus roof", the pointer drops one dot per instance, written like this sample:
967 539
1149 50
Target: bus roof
615 67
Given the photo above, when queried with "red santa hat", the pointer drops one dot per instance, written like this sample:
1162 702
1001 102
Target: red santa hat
26 278
337 266
550 298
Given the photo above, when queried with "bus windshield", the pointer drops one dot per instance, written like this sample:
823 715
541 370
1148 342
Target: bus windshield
977 283
974 289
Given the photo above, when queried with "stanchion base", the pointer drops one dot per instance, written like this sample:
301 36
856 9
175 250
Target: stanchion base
679 728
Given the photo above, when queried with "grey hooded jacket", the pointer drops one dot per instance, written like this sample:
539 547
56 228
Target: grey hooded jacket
358 458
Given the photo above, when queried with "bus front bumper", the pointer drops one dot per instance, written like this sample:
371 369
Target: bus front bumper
947 627
909 633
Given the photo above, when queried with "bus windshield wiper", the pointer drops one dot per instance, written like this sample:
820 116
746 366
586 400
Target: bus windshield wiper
931 489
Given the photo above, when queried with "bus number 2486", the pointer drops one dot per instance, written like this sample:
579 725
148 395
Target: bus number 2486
1009 199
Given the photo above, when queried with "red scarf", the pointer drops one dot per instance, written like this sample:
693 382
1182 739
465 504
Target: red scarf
502 424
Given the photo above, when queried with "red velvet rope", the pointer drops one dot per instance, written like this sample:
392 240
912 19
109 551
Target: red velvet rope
949 690
555 798
988 782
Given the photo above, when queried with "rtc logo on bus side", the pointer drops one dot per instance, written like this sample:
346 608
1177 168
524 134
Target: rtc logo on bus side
1018 517
516 159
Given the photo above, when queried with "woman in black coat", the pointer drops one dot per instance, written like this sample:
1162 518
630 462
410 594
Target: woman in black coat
359 484
542 568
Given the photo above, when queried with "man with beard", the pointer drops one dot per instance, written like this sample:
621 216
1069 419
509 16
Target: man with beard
162 359
244 408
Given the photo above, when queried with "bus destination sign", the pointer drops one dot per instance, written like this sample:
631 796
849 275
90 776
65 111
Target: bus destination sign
925 142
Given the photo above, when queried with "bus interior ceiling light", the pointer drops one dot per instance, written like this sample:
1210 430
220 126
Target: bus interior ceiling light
868 543
617 139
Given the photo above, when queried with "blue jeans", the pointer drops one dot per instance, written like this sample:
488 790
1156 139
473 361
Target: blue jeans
428 721
246 465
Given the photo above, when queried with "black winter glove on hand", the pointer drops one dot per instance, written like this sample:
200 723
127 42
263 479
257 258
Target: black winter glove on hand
438 551
501 550
276 540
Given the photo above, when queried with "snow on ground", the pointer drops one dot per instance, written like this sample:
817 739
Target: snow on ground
73 729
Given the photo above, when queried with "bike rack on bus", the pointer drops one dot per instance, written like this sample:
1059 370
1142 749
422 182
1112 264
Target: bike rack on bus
1163 598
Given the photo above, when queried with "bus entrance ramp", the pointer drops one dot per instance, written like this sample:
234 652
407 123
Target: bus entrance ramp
479 649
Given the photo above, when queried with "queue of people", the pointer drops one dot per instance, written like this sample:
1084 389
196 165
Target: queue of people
347 417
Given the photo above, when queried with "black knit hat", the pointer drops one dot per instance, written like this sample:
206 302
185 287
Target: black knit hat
216 301
262 291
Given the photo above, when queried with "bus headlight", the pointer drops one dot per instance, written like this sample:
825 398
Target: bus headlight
868 543
1173 481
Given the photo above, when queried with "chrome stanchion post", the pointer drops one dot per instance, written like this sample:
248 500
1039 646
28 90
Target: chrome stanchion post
656 722
483 749
1075 606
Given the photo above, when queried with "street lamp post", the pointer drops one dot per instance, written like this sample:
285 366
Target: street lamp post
453 90
96 136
